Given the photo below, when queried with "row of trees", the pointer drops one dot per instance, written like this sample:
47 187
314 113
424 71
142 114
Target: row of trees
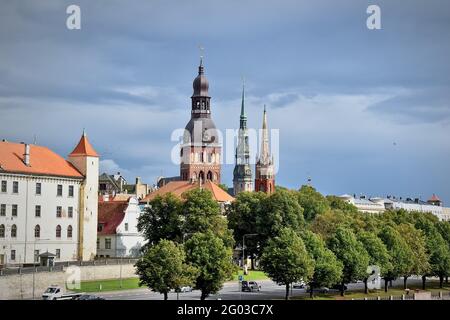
326 241
298 236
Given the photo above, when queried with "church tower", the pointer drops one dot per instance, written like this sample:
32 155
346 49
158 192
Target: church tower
86 160
201 149
264 173
242 174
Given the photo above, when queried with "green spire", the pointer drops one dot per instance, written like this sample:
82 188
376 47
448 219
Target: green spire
243 100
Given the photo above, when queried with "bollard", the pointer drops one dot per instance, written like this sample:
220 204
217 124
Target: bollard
365 298
378 298
440 295
403 297
391 297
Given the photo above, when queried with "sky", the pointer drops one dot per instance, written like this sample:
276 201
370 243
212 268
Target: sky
358 111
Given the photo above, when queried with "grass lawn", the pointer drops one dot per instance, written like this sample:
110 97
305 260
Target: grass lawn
109 285
133 283
254 275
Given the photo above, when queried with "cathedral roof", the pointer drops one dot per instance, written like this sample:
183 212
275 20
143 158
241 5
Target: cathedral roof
83 148
178 188
42 161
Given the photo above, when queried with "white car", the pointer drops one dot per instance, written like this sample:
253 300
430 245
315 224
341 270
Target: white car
186 289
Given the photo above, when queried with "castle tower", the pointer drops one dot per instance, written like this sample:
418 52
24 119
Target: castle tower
242 174
264 173
86 160
201 150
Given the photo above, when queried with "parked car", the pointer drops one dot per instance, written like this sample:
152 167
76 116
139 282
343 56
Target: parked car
338 287
250 286
88 297
186 289
319 290
299 285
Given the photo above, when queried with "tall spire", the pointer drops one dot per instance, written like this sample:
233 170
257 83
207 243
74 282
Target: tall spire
243 122
264 156
200 67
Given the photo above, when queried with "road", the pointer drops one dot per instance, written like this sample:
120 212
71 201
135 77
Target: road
230 291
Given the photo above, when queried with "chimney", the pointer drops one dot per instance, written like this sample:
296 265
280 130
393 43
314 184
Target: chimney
138 180
26 155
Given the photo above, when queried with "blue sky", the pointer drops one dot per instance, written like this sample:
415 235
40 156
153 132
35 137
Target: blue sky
359 111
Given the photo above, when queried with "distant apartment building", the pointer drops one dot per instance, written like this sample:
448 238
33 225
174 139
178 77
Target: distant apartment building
48 205
115 184
378 205
117 234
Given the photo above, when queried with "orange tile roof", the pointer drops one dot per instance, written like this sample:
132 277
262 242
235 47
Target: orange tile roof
43 161
177 188
434 198
83 148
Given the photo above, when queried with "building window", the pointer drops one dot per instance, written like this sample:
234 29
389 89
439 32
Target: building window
2 210
126 226
59 190
13 255
98 244
107 243
58 231
70 212
15 187
70 191
37 231
14 210
58 212
69 232
4 186
100 227
38 188
36 255
13 231
2 230
37 211
58 253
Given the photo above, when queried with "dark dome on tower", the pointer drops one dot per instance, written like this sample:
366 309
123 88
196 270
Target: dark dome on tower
200 83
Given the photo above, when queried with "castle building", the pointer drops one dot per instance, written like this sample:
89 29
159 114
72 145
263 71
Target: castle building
242 174
48 205
264 171
200 151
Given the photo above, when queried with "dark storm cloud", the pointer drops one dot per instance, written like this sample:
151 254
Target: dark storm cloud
339 93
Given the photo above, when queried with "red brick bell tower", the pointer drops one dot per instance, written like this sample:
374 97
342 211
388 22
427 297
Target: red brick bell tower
265 176
201 149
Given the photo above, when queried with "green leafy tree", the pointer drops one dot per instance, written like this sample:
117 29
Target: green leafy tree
279 210
436 246
242 219
399 251
327 268
286 260
213 260
378 254
162 219
202 214
416 242
351 253
337 203
312 202
163 267
326 224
